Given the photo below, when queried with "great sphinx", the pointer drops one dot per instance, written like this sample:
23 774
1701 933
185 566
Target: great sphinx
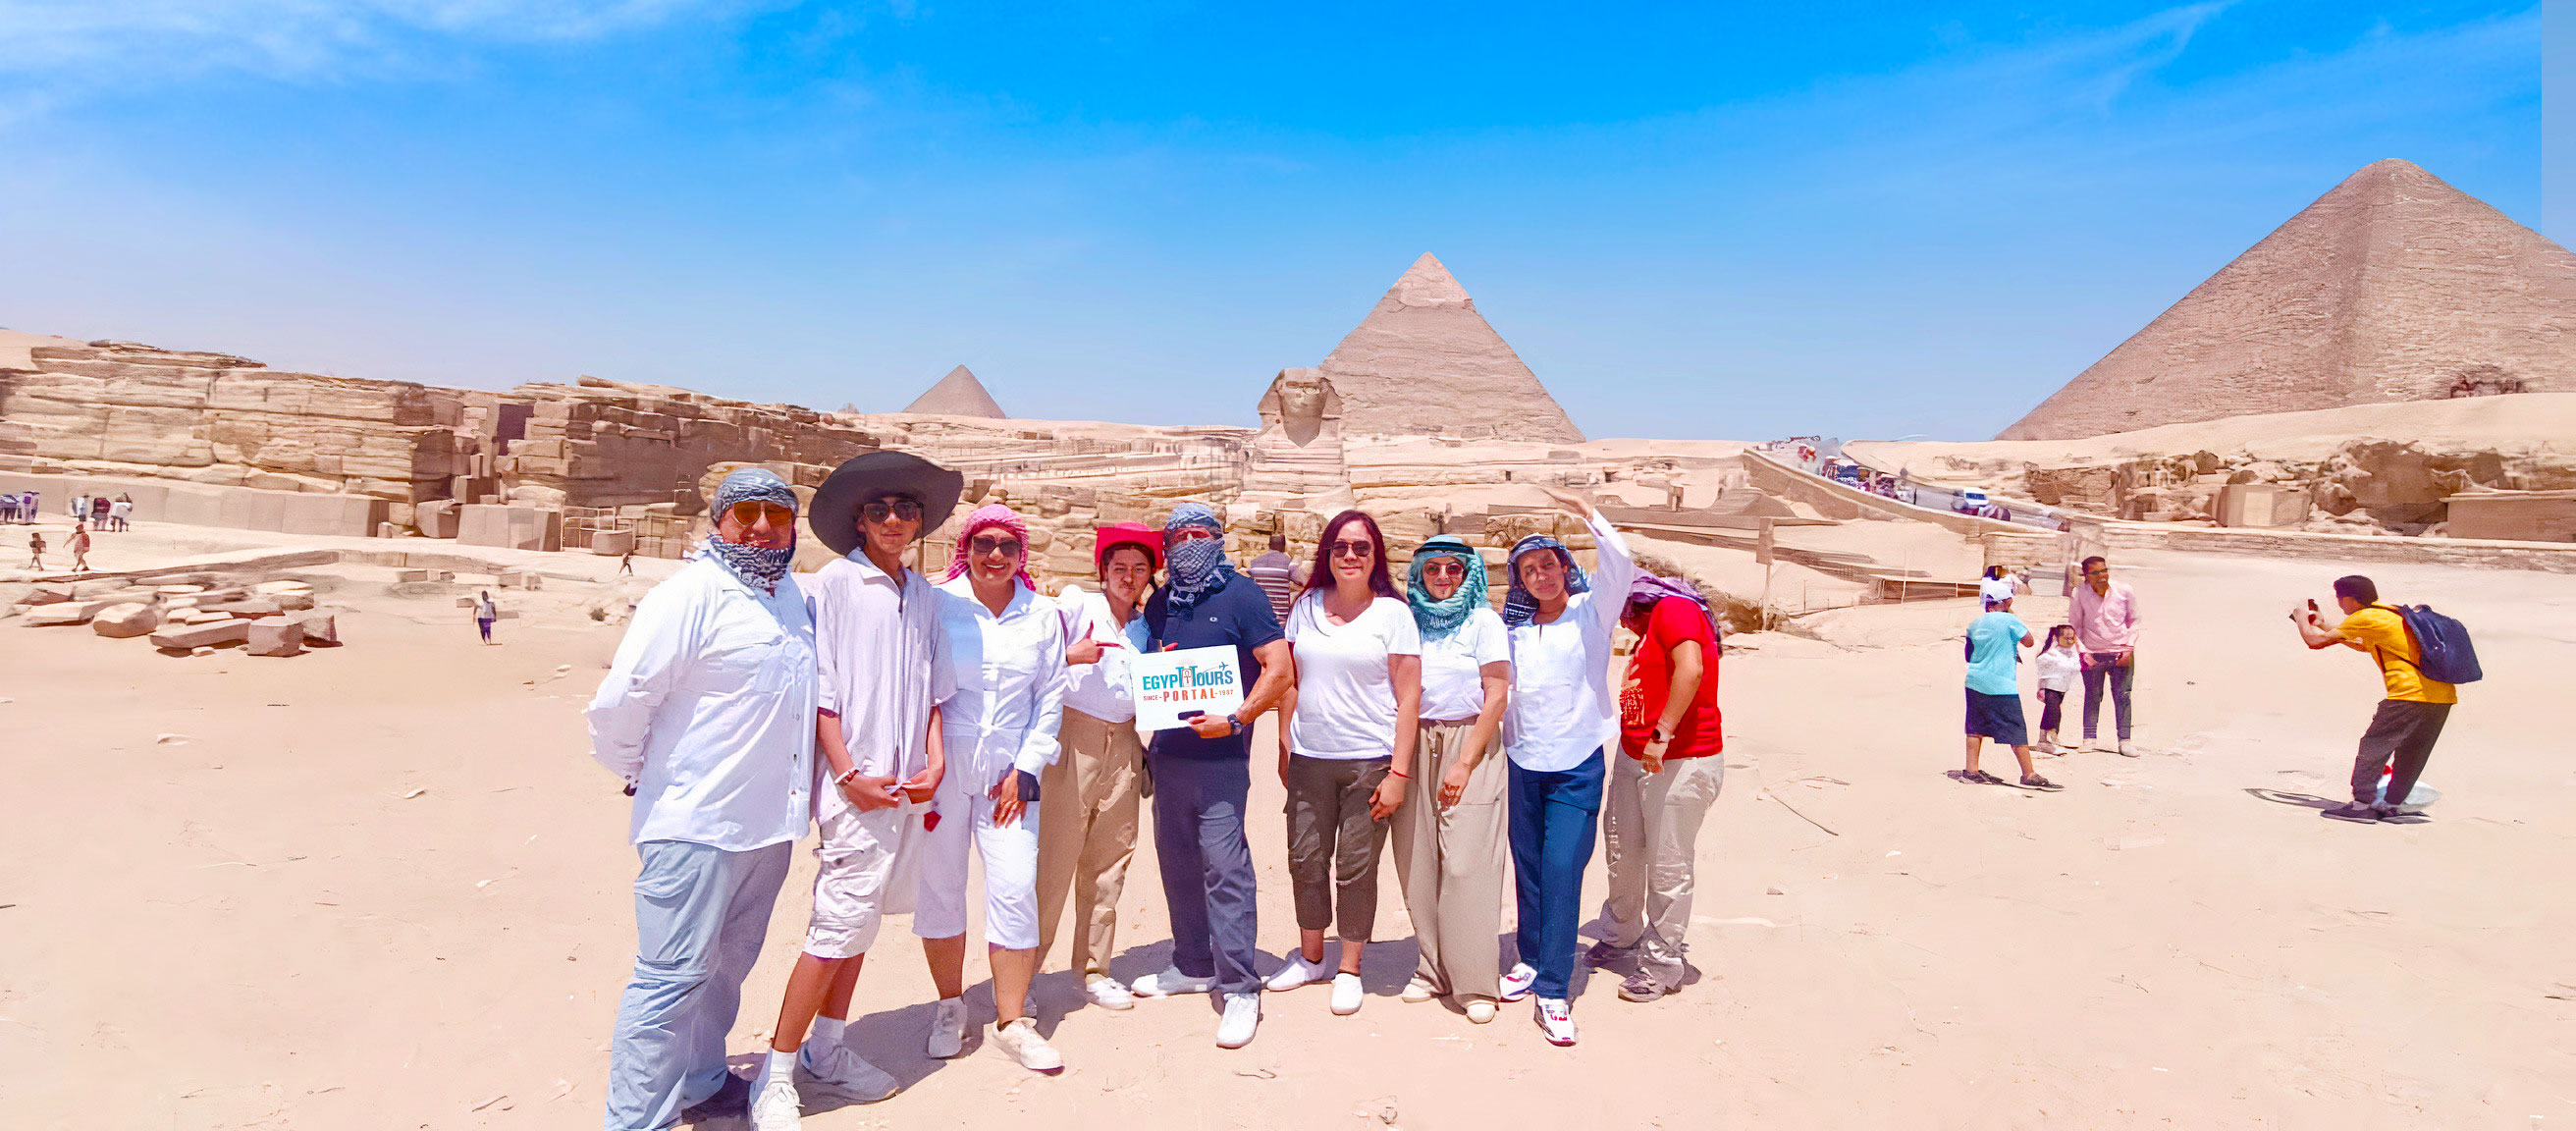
1300 407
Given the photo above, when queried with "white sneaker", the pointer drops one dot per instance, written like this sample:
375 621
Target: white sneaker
1107 993
947 1029
1556 1020
777 1107
1022 1040
1481 1011
1171 982
2125 752
831 1066
1299 972
1346 994
1516 982
1242 1017
1418 990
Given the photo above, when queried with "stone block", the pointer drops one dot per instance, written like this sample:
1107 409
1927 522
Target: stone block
130 618
255 607
272 588
293 601
319 628
65 612
231 630
612 543
275 637
513 527
47 594
436 518
405 576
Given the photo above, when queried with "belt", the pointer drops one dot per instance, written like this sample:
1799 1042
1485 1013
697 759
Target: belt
1449 722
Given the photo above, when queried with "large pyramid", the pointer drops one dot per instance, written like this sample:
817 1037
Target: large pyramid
2393 287
1425 363
958 394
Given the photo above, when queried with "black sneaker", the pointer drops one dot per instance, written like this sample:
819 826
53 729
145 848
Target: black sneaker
2354 811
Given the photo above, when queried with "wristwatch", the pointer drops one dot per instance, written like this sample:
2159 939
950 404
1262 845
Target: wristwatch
1659 734
1233 722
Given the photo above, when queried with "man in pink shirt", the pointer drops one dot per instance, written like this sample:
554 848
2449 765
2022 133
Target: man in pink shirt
2106 629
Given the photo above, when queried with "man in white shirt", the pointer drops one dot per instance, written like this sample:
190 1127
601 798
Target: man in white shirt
876 627
707 714
1088 800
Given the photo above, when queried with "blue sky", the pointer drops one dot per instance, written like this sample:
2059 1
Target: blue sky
1699 221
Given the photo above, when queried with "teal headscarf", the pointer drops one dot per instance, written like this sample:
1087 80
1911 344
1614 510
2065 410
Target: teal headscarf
1440 618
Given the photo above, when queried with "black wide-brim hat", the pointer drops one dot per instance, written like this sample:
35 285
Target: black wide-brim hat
875 474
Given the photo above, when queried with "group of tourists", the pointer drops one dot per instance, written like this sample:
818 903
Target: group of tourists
2098 650
918 723
100 512
19 507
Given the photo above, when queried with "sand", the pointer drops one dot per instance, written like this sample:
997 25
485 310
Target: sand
384 886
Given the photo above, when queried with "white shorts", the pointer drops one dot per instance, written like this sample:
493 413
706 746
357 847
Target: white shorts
1010 854
856 858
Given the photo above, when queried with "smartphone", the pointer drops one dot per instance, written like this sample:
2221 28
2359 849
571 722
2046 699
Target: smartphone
2312 604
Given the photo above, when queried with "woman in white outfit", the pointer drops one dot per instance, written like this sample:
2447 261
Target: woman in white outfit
1000 690
1347 751
1449 850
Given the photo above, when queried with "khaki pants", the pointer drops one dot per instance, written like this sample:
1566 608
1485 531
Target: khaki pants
1451 862
1087 804
1333 842
1650 827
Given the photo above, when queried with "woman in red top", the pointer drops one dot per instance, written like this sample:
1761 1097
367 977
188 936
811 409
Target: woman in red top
1659 792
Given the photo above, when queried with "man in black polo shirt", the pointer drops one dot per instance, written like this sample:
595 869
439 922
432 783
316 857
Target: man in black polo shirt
1203 774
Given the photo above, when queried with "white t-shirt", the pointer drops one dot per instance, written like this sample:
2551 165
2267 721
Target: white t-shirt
1453 683
1345 687
1099 689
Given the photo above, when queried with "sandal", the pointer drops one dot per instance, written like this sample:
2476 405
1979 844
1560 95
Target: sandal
2034 781
1980 777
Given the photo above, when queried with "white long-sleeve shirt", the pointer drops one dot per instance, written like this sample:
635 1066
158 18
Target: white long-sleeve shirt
1100 689
709 710
1563 706
876 639
999 683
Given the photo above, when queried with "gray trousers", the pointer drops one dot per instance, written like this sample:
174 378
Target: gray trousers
1333 842
1207 865
700 916
1649 833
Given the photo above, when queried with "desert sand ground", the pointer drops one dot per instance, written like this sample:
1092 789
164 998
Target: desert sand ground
383 886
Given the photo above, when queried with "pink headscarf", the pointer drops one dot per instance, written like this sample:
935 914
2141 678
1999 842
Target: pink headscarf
986 517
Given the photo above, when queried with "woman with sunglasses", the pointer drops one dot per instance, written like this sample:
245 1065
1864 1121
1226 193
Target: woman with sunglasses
1449 853
999 684
1347 751
1563 715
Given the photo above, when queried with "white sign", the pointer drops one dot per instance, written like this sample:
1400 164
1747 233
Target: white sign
1169 685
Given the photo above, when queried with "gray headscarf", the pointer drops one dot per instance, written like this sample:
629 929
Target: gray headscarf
755 565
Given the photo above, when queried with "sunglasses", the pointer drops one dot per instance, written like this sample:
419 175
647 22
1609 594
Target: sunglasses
1007 547
881 510
750 512
1445 567
1354 549
1191 534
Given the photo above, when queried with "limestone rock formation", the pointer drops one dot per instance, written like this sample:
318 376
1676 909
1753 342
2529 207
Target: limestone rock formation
958 394
1424 363
2393 287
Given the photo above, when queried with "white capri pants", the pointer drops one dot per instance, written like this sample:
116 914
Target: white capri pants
1010 855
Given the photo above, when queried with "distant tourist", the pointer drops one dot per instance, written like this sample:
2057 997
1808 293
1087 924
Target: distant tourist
707 714
1279 576
80 547
626 562
1202 774
121 512
1995 641
2402 732
2105 613
1563 717
999 683
2059 667
1354 716
9 507
1996 585
1449 838
1672 766
80 507
485 612
1092 796
876 643
98 509
36 550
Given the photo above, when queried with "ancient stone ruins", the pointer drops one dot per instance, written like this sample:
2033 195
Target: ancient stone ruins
2448 329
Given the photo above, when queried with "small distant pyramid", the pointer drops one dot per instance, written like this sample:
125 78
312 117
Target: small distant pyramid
958 394
2393 287
1425 363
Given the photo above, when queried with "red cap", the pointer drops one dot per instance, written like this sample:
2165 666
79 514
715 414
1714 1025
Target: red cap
1118 534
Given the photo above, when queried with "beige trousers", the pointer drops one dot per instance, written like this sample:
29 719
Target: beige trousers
1087 805
1649 830
1451 863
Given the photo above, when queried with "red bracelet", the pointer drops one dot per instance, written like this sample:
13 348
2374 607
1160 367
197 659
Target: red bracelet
1401 774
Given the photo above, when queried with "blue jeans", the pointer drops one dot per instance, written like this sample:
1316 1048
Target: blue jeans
700 916
1207 867
2107 668
1556 816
